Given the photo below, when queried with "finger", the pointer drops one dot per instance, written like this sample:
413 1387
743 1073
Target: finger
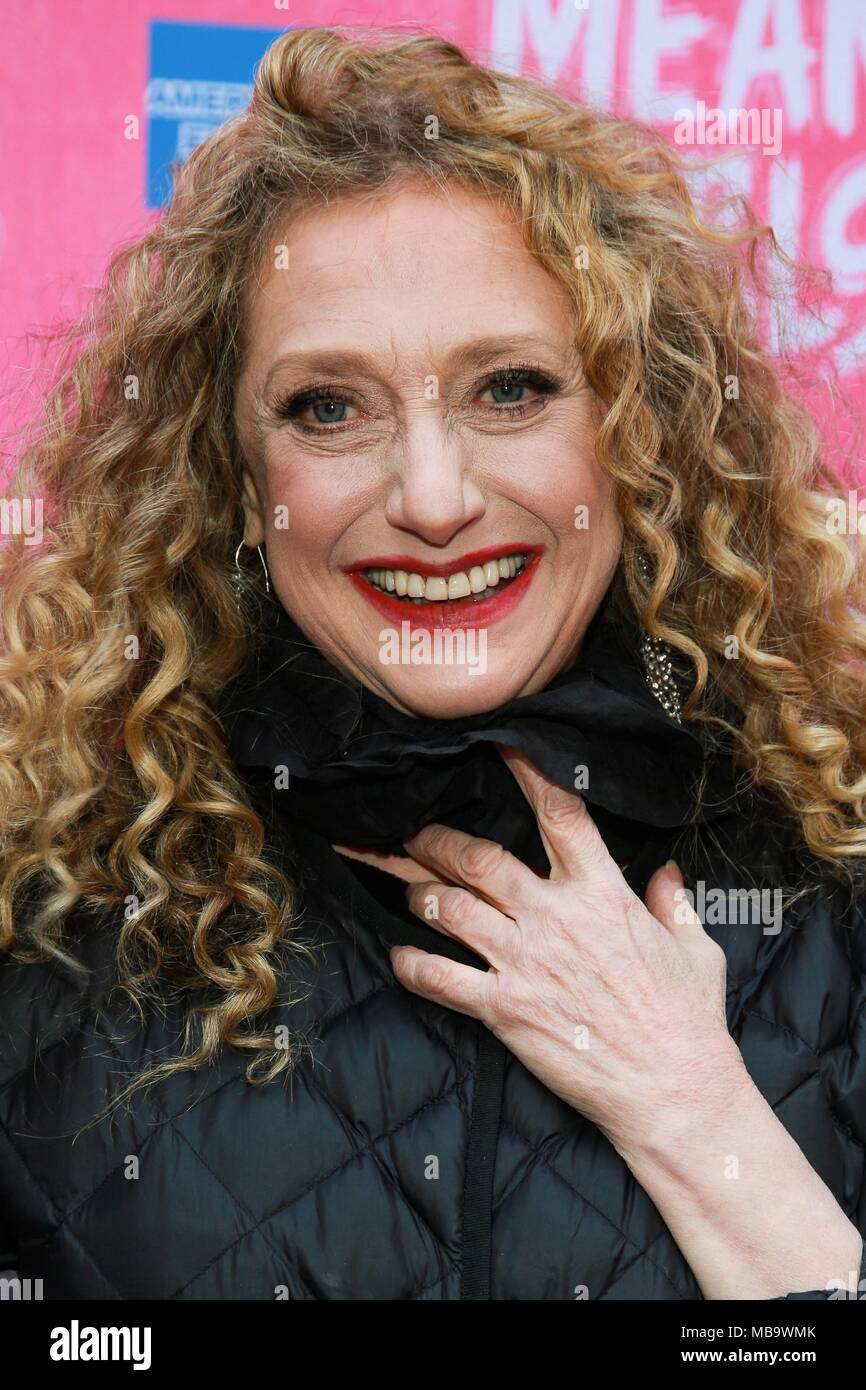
459 914
482 865
459 987
570 836
670 903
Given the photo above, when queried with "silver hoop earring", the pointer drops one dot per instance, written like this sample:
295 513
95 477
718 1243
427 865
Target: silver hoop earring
658 667
238 575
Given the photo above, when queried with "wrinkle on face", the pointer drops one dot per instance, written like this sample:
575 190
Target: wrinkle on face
385 299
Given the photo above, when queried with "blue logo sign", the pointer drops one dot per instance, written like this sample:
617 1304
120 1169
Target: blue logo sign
200 74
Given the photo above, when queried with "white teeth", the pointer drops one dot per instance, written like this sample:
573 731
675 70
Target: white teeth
491 572
436 588
477 579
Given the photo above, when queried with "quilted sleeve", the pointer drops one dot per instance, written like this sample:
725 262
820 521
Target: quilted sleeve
8 1248
853 914
855 922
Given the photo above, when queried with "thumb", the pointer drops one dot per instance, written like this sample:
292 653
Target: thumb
671 903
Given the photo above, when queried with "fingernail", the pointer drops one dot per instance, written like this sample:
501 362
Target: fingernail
509 753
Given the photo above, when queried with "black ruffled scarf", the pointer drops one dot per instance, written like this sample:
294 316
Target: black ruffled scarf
362 773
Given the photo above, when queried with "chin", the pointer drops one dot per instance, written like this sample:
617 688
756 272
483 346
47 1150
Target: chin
440 693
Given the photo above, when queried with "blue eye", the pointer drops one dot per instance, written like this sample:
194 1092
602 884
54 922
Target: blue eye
324 408
511 386
316 407
507 392
329 412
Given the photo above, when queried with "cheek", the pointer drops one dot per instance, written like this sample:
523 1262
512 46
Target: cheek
567 489
309 506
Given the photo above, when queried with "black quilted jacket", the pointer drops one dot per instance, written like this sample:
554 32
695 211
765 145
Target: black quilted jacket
411 1157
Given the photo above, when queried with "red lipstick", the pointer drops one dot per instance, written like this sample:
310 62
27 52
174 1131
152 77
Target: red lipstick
457 613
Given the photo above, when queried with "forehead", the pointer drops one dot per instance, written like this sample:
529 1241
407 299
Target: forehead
412 263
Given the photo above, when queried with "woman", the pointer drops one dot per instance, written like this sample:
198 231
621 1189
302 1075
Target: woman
352 893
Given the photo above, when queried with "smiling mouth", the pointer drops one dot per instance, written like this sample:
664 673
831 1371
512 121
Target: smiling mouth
463 586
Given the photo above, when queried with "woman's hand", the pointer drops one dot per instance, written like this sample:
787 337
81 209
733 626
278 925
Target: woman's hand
619 1008
616 1006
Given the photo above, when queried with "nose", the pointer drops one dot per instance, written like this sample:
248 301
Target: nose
433 495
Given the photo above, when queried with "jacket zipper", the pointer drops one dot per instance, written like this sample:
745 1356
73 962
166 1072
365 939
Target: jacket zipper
475 1279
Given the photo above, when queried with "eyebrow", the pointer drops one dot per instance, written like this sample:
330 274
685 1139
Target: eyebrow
480 352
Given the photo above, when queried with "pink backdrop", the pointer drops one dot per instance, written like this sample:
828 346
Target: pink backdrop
73 185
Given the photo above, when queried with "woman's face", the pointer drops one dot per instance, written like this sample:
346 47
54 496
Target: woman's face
413 412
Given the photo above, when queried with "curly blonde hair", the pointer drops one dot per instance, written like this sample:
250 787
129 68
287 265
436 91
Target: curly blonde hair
115 785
